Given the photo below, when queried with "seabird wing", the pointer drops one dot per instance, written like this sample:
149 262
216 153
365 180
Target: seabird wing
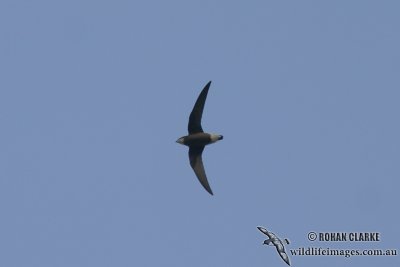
273 236
196 162
194 125
266 232
284 257
281 251
263 230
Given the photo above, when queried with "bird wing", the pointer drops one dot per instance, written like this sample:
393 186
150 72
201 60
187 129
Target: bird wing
284 257
281 251
266 232
194 125
263 230
273 236
197 165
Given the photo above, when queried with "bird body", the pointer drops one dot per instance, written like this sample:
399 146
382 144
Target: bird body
199 139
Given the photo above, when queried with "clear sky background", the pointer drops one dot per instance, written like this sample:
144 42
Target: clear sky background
93 95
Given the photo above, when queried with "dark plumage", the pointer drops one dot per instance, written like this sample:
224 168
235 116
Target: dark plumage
198 139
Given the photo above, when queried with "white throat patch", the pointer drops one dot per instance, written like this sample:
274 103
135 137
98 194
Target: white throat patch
215 137
180 141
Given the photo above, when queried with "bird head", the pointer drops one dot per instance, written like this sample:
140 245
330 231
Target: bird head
181 140
216 137
267 242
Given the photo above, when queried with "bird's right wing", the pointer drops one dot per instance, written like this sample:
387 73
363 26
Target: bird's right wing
263 230
194 125
196 162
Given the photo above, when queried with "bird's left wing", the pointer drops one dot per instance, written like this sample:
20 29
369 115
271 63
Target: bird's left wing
284 257
196 162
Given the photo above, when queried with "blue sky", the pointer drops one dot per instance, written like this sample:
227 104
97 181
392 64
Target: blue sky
93 95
